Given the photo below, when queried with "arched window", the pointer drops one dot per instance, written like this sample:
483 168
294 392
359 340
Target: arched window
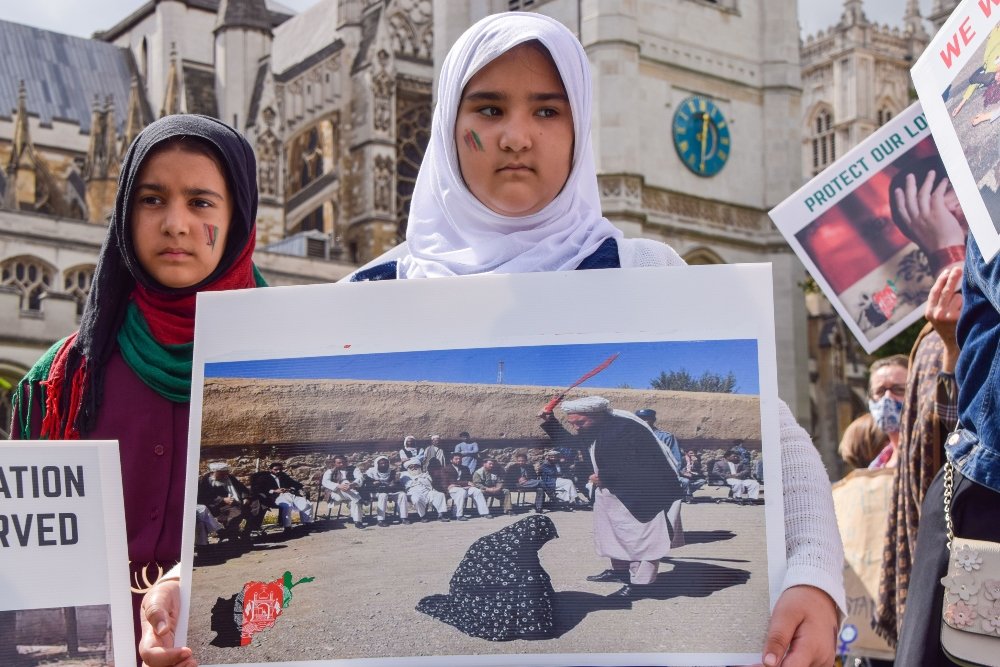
76 283
413 127
824 143
885 114
31 277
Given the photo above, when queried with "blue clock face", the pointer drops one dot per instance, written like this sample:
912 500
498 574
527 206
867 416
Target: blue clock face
701 136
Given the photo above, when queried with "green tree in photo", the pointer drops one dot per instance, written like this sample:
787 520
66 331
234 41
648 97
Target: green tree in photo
682 380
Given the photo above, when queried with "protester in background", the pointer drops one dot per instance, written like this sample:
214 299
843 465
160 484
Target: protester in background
862 442
930 413
886 388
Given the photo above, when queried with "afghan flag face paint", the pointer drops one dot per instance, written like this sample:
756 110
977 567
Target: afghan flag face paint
472 141
212 235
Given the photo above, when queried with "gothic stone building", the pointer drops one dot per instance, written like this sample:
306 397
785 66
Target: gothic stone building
335 101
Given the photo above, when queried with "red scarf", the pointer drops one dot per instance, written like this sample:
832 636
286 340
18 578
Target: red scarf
171 318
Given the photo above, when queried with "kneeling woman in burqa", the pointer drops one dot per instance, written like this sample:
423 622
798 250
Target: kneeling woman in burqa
500 591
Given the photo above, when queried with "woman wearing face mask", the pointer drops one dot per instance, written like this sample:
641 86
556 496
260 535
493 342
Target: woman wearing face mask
886 388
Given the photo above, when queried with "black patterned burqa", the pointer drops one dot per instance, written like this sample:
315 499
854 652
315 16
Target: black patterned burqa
500 591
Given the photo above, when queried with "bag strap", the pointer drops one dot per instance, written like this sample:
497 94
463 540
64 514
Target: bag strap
949 485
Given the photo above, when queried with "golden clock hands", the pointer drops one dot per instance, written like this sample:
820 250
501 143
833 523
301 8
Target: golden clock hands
704 138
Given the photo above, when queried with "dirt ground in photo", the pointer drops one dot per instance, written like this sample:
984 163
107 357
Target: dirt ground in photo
711 594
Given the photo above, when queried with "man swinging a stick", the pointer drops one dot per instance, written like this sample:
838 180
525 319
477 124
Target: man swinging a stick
637 498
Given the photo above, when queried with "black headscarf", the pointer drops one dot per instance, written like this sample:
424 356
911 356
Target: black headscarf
118 270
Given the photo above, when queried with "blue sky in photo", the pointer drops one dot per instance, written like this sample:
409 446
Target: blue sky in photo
546 365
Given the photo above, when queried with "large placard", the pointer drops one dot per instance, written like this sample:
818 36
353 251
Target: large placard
298 374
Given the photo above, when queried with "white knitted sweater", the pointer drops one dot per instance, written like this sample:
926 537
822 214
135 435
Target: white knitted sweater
815 555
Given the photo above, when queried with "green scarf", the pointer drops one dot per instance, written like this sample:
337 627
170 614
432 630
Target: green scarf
164 368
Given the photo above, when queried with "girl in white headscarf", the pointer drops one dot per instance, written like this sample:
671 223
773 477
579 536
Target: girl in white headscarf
508 185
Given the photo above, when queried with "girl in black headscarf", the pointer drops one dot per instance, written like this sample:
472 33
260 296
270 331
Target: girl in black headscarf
184 222
500 590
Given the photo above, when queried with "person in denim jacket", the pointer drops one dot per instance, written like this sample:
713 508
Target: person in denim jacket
974 450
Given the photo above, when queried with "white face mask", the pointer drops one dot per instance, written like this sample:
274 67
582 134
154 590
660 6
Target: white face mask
886 412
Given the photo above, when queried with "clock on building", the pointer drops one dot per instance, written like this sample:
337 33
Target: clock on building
701 136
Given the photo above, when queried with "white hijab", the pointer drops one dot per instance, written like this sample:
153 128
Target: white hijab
450 232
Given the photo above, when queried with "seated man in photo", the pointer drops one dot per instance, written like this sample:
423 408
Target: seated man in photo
738 477
420 488
521 476
225 498
344 484
204 525
278 489
691 474
382 481
458 481
556 479
491 485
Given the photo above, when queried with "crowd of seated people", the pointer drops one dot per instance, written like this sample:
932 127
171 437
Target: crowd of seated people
429 481
233 511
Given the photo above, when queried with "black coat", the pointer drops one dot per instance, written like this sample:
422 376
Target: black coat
212 496
262 483
629 461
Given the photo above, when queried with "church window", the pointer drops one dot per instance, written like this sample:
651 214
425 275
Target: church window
313 220
76 283
413 125
519 5
884 115
824 146
30 277
310 155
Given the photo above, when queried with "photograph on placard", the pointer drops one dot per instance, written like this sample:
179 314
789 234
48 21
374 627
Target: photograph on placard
973 101
470 517
589 493
59 637
957 79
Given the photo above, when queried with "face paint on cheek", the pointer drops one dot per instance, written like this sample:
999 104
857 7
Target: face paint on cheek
211 234
472 141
